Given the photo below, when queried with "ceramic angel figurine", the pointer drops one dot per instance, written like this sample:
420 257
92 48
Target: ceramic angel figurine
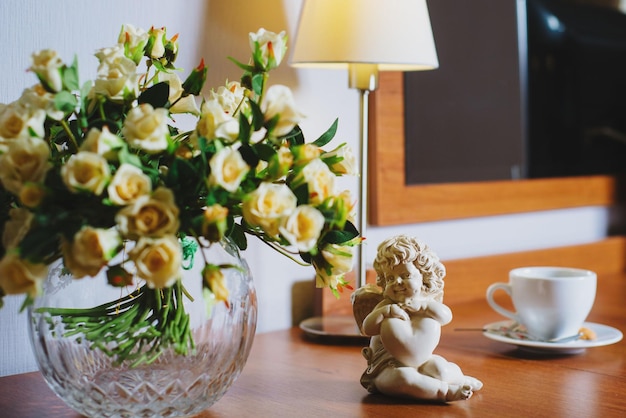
404 320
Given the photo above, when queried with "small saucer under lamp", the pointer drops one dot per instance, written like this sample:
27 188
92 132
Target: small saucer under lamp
365 37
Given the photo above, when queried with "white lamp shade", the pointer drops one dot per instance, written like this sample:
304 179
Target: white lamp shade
396 35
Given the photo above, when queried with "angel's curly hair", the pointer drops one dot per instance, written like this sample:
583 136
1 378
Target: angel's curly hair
407 249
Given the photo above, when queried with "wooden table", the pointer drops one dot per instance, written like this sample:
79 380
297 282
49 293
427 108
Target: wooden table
288 375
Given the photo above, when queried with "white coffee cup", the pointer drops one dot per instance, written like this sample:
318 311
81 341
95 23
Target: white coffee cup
551 302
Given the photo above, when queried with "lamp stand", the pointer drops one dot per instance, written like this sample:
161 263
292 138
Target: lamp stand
364 78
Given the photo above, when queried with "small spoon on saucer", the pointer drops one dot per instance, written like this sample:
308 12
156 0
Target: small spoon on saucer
518 334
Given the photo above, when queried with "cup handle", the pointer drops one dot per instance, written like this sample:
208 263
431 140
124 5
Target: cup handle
502 311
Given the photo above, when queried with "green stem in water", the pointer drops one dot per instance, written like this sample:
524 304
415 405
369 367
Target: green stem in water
137 328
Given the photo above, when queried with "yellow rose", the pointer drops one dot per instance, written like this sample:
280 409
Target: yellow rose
279 102
215 123
90 250
157 35
158 261
146 128
86 172
214 222
266 206
228 169
18 121
128 184
341 160
134 40
339 257
320 180
102 142
153 215
306 153
230 98
32 194
24 161
273 46
47 65
117 75
279 164
179 104
20 276
214 278
37 97
303 227
16 227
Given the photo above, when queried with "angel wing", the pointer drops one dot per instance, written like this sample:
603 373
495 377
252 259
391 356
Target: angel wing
364 299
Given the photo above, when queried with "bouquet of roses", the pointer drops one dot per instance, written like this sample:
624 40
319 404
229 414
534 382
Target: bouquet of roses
91 171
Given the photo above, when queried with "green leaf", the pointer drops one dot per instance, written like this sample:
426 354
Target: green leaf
302 194
327 136
238 236
339 237
258 119
248 154
244 129
70 76
264 151
295 137
244 67
257 83
156 95
65 101
126 157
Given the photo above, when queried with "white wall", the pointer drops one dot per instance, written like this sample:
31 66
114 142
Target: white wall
214 29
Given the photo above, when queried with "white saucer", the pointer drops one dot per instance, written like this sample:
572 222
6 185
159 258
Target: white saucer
605 335
343 327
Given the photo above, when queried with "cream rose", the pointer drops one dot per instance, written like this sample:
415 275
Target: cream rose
179 104
18 121
132 36
153 215
32 194
320 180
117 77
279 164
146 128
37 97
102 142
16 227
134 39
128 184
20 276
90 250
215 123
24 161
273 46
214 278
228 169
214 222
86 172
158 42
279 102
302 227
230 98
158 261
47 65
266 206
306 153
341 160
339 257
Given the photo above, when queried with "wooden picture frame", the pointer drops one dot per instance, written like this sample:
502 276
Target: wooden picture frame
394 202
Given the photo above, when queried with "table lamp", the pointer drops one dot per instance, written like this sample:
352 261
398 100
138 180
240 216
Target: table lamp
365 37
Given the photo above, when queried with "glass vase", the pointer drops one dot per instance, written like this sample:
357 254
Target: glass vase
172 385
